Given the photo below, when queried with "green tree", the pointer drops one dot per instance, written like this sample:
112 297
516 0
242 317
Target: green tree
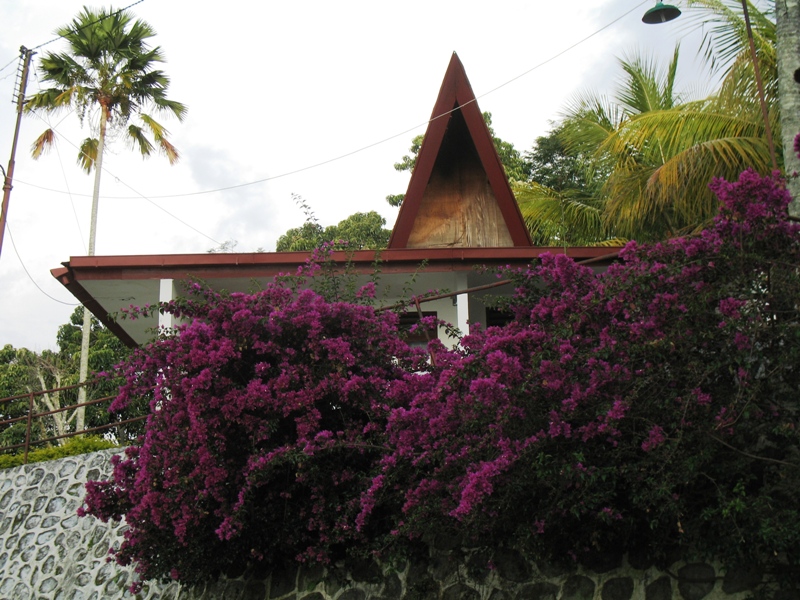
561 202
657 152
13 377
593 120
359 231
108 75
23 371
515 164
552 166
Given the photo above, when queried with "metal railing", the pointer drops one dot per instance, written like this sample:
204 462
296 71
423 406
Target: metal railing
31 415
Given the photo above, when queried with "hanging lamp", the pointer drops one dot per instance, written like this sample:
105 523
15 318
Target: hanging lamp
661 13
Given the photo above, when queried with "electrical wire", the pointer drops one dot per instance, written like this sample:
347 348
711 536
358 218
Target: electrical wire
372 145
116 12
139 195
13 60
64 173
24 268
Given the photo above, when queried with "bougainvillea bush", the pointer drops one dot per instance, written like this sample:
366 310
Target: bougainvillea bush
265 427
651 408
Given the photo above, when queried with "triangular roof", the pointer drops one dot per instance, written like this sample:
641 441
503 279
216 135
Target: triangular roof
459 194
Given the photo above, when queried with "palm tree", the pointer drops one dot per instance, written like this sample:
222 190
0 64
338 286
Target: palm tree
578 215
665 158
107 76
655 152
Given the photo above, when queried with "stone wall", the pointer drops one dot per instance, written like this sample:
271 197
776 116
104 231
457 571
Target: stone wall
47 552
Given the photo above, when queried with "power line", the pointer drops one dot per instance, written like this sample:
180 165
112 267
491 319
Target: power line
372 145
139 195
116 12
13 60
24 268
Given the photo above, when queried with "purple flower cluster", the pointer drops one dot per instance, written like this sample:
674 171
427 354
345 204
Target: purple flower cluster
614 410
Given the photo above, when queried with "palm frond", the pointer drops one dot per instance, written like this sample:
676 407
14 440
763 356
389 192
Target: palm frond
160 136
645 87
169 151
138 140
87 156
560 218
725 32
43 143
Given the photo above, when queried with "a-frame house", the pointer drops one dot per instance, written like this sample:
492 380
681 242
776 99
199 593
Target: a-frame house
458 214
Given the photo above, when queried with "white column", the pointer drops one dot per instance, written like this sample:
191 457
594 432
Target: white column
166 292
462 306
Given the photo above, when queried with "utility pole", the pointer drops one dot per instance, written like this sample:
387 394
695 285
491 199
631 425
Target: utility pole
26 56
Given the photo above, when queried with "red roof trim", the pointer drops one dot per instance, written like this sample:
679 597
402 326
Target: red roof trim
179 266
67 278
456 94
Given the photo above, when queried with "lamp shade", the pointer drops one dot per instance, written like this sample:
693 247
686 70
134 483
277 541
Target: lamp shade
661 13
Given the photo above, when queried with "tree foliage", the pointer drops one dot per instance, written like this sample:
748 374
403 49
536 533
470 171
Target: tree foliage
660 150
651 408
359 231
110 66
23 371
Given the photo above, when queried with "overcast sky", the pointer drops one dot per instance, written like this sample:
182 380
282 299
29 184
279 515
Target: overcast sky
274 89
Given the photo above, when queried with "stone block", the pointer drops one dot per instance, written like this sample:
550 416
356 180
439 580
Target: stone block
20 517
55 504
553 570
577 587
282 583
20 592
35 476
392 587
48 483
33 521
696 581
740 580
537 591
444 566
364 571
422 589
310 575
48 585
67 467
479 566
617 588
511 565
254 590
417 571
660 589
5 501
45 537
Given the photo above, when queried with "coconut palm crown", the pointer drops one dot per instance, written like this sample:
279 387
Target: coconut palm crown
109 66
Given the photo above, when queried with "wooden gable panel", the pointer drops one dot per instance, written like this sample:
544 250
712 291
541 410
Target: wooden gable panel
458 195
458 206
